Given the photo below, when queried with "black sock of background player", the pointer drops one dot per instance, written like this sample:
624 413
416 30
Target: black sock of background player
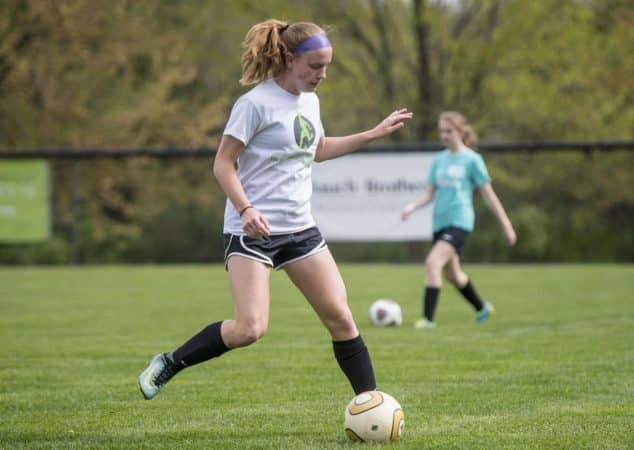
354 360
470 294
203 346
430 301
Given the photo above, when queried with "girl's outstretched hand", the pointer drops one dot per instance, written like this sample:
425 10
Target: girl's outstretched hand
395 121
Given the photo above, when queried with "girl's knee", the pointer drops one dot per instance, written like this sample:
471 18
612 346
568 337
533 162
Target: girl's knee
342 325
249 333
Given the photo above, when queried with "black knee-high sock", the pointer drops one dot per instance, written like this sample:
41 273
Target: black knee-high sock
203 346
430 301
354 360
470 294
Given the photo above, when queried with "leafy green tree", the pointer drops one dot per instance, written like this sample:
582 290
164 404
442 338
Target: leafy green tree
122 74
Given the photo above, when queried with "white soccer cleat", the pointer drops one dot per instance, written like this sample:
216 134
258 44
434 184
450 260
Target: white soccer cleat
158 372
424 324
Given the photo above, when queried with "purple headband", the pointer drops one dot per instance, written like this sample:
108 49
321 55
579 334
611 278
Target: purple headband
315 42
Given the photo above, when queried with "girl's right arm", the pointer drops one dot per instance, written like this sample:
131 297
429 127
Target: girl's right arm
494 203
425 197
254 224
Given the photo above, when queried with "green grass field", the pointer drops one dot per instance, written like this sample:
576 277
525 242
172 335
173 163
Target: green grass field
553 369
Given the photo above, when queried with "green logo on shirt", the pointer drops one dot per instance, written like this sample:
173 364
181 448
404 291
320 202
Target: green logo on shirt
306 155
304 131
304 137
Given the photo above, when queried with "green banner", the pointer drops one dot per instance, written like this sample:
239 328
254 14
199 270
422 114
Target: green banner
24 201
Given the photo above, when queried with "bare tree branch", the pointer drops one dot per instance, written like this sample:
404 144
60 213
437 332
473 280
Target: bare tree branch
424 77
464 19
385 63
357 33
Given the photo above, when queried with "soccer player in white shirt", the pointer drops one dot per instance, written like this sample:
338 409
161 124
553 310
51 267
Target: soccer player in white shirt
263 164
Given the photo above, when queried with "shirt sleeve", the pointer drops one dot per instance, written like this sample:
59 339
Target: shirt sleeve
244 121
479 173
321 124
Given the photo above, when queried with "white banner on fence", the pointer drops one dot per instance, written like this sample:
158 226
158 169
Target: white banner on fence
359 197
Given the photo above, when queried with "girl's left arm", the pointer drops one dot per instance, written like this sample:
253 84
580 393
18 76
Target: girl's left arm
333 147
495 205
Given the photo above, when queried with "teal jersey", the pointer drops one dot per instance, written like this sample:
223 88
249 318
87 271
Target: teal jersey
455 176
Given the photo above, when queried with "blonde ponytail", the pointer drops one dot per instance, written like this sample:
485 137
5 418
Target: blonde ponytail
266 45
263 56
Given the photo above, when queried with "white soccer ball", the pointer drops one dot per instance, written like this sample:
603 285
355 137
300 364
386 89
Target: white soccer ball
385 313
374 416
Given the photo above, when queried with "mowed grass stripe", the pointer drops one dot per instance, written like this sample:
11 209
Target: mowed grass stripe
554 368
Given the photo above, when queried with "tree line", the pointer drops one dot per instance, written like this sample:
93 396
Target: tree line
123 74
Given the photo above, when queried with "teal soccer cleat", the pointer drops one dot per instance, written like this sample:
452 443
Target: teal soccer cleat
158 372
484 313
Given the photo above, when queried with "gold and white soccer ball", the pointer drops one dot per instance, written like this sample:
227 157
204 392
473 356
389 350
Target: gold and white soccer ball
374 416
385 313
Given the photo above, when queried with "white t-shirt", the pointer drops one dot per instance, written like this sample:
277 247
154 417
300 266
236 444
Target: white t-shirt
280 132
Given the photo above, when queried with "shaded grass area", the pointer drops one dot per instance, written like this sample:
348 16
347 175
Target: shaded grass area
554 368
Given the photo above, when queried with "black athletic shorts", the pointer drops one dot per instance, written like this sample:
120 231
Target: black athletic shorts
454 236
276 250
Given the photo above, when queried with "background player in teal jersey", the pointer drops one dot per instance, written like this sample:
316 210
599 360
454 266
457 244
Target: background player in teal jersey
455 173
